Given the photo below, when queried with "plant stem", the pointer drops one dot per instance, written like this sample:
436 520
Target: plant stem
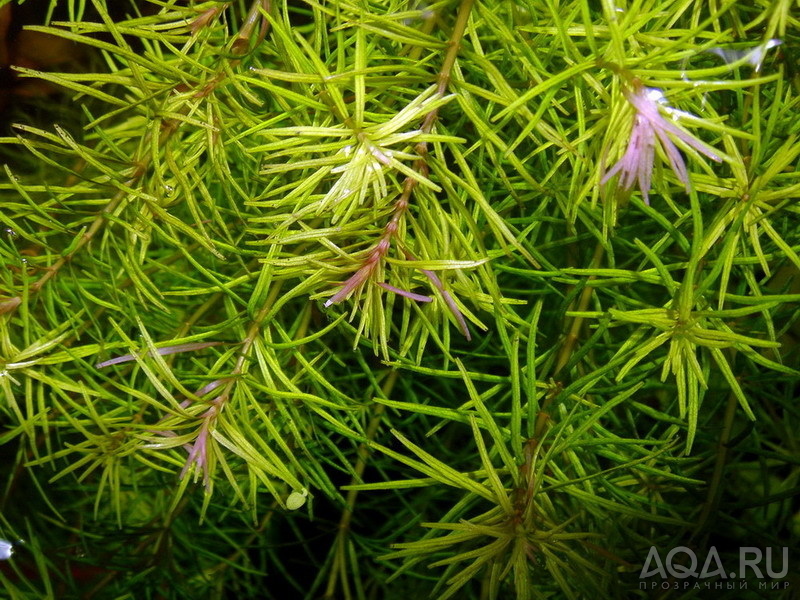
340 552
378 252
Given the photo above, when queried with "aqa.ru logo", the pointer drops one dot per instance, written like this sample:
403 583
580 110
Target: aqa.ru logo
682 563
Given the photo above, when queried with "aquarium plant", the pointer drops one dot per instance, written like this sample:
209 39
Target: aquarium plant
397 299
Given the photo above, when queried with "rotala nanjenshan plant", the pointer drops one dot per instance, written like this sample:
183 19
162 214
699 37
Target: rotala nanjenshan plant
651 129
357 299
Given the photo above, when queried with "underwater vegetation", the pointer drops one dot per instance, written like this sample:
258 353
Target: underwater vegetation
384 299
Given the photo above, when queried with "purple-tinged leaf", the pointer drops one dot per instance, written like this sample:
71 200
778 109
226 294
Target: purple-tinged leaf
651 128
411 295
356 280
451 303
212 386
166 350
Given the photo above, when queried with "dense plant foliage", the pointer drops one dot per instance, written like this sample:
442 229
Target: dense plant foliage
387 299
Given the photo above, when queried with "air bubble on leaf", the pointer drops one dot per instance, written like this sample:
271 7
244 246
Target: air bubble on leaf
754 56
168 190
655 95
383 156
6 549
10 232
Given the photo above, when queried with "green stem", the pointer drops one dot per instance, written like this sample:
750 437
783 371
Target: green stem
339 565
